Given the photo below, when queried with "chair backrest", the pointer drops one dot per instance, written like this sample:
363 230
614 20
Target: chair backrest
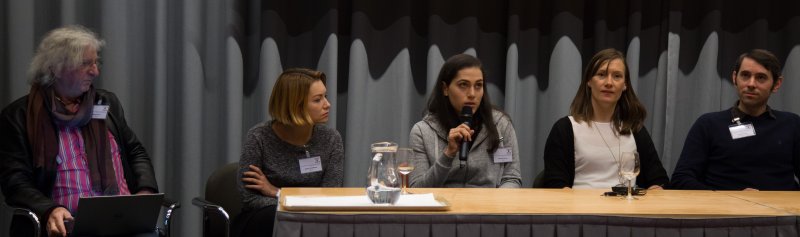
5 215
538 182
221 189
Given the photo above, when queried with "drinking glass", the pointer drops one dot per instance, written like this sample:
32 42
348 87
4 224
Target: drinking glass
629 169
404 165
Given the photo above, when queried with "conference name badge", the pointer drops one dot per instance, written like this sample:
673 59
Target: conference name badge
503 155
310 165
742 130
99 111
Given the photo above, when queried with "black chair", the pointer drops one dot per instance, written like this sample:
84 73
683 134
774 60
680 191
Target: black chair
25 215
168 208
538 182
20 218
222 201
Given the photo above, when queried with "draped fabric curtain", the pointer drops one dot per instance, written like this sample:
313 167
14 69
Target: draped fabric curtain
194 76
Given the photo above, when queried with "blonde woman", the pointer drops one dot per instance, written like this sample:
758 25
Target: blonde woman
274 150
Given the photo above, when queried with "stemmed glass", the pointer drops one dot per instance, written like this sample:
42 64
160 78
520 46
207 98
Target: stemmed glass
629 169
404 165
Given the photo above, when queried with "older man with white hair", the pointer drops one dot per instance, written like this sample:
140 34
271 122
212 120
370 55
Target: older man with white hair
66 139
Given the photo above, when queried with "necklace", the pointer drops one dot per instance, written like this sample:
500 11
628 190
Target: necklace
609 147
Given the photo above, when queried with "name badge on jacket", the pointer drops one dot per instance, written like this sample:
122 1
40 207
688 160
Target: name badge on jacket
503 155
99 111
742 130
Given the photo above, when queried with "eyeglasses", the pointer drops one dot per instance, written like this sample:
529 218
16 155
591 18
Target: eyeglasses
89 63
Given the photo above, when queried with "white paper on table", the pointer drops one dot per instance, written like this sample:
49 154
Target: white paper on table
412 200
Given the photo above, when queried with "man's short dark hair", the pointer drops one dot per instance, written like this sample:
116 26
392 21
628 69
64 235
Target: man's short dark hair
763 57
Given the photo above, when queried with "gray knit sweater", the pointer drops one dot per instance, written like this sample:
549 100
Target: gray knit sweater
433 169
279 161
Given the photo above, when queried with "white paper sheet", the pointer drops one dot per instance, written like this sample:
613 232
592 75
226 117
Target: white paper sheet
408 200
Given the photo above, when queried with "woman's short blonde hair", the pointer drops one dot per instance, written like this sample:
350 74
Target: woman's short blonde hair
61 49
287 103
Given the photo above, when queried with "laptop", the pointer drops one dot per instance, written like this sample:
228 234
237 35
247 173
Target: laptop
117 215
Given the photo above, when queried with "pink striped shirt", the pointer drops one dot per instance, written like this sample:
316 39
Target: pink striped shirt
72 178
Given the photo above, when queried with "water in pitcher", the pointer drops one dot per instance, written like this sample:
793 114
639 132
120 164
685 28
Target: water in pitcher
383 183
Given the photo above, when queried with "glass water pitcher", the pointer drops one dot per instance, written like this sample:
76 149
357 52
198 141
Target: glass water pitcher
383 184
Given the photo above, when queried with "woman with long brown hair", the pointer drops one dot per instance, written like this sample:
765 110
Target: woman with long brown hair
488 156
606 119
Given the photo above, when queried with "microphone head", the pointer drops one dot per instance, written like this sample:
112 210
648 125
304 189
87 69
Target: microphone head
466 118
466 111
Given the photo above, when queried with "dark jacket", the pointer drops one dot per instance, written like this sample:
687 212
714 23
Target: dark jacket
30 187
559 158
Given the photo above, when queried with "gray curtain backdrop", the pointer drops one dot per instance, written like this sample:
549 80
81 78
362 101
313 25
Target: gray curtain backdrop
194 76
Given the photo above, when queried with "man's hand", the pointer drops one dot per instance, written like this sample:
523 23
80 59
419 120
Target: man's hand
655 187
55 222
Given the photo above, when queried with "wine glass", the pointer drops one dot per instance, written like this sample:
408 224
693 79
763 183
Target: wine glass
629 169
404 165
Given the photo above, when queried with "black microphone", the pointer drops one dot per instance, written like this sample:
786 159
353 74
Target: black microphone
466 118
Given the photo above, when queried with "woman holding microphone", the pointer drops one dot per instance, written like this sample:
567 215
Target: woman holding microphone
463 141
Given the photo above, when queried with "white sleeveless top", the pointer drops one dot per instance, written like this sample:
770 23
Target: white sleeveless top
595 166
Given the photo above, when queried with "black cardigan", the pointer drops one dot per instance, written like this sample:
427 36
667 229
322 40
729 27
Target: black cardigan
559 158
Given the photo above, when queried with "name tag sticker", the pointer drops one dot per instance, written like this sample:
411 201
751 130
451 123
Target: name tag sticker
503 155
99 111
742 130
309 165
